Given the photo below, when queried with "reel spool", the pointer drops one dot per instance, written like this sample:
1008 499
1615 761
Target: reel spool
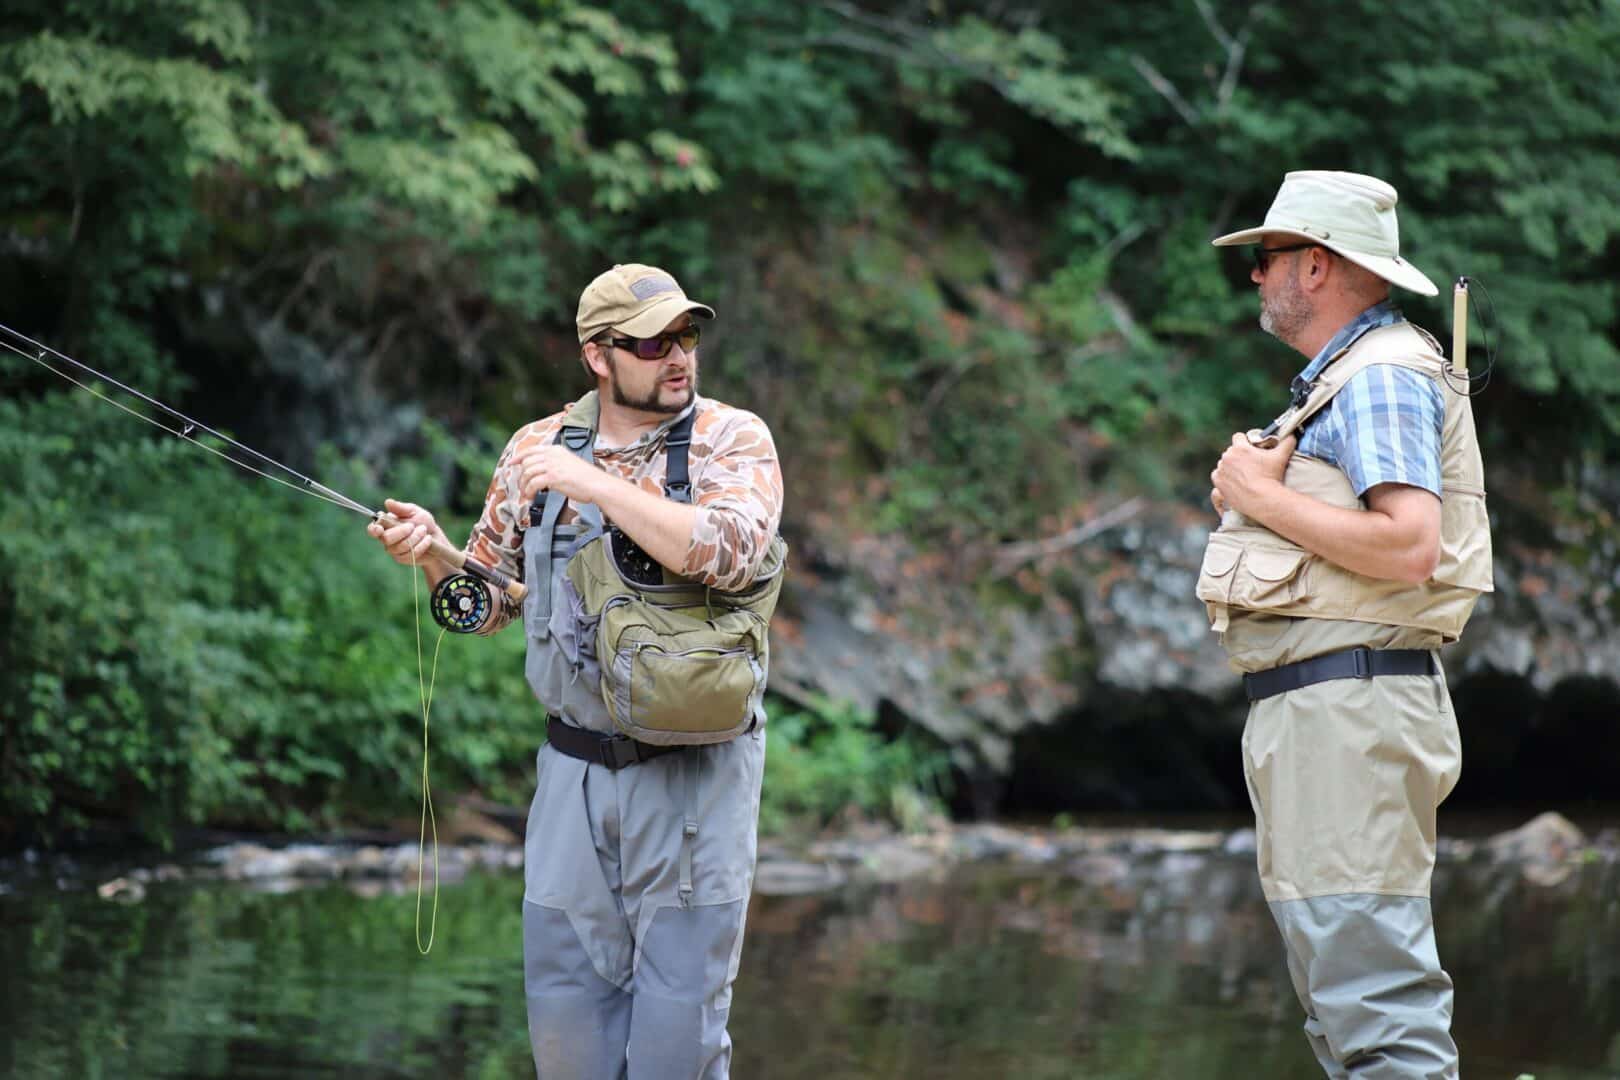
460 603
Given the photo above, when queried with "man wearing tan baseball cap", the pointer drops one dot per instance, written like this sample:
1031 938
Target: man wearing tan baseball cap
638 858
637 300
1353 544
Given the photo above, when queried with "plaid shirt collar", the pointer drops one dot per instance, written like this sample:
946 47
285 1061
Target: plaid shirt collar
1383 313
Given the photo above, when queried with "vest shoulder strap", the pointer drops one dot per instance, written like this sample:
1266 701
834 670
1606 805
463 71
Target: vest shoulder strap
578 434
1401 344
677 445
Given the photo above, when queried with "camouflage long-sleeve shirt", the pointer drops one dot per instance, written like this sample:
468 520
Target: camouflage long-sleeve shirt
736 489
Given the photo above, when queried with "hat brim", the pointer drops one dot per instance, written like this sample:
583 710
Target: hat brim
1393 269
654 319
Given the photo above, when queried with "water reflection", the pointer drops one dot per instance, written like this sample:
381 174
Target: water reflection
1107 966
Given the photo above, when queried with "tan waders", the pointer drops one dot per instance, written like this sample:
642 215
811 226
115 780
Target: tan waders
1351 743
1345 776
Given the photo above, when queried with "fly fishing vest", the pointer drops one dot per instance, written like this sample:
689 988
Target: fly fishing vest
619 643
1249 567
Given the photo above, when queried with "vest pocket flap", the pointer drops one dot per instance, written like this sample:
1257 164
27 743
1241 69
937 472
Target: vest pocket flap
1220 555
1242 571
1269 564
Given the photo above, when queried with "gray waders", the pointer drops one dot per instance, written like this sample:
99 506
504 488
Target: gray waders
1345 776
636 879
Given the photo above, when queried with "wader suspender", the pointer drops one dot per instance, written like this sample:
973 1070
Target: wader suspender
548 505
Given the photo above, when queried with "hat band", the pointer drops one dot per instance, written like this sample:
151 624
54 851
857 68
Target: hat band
1361 243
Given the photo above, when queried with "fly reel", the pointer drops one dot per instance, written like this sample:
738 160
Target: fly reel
461 604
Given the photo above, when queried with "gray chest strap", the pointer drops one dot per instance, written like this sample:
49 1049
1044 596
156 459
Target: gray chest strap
548 505
543 514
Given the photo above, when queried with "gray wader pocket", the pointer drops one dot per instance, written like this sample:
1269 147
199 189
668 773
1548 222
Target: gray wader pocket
561 660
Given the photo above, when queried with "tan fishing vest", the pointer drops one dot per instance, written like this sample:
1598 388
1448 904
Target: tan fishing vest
1247 566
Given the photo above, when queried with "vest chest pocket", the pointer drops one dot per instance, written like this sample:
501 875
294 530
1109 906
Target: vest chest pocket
1248 575
1215 575
1270 576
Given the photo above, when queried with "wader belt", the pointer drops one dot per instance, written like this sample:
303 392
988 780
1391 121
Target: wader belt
614 751
1359 663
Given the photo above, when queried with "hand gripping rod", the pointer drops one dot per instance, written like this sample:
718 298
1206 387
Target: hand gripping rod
458 559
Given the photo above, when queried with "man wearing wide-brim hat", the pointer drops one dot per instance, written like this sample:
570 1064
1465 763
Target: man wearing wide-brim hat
1353 544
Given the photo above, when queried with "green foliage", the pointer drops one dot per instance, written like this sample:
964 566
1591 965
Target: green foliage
832 761
195 648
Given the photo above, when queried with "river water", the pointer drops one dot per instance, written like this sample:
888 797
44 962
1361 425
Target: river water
1109 966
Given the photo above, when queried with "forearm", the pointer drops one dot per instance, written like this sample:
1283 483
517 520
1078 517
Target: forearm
1368 542
661 526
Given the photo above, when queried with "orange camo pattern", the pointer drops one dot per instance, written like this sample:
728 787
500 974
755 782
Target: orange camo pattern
736 488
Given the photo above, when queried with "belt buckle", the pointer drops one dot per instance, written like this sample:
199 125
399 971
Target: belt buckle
1363 662
617 751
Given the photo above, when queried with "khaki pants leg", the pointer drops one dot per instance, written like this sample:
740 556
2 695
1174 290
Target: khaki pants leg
1345 778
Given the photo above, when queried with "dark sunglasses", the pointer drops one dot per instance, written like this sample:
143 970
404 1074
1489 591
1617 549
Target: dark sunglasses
657 346
1262 255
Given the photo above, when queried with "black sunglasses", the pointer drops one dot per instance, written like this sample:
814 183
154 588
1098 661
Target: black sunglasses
657 347
1262 255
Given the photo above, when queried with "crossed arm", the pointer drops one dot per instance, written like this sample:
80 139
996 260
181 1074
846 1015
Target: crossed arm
721 540
1396 538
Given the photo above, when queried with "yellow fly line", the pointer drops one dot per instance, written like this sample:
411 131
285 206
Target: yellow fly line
424 686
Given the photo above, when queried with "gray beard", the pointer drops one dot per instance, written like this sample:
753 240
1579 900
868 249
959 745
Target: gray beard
651 403
1286 315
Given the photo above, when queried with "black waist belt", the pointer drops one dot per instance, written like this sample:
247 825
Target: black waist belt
1361 663
614 751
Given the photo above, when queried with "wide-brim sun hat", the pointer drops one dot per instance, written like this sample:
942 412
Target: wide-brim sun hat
1349 214
635 299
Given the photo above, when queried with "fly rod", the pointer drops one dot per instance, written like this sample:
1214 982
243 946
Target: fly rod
186 428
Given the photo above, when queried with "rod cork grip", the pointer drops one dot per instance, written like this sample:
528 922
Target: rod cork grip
1459 327
510 586
458 559
513 588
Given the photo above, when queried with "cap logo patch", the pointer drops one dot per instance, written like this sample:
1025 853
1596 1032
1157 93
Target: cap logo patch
652 286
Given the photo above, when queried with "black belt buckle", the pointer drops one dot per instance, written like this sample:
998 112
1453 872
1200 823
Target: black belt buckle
618 751
1362 658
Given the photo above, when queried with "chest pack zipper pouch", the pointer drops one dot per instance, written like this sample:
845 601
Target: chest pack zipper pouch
680 664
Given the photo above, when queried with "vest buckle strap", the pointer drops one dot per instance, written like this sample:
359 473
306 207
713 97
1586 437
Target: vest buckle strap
1357 663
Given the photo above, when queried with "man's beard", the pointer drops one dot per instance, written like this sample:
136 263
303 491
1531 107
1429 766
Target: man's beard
653 402
1286 313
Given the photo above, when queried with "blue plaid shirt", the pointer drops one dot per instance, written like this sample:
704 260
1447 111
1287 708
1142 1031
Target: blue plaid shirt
1384 427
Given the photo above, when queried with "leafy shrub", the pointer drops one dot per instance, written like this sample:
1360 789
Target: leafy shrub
830 760
183 644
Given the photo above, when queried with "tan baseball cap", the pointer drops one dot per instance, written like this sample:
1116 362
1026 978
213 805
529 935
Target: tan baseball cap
639 300
1349 214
